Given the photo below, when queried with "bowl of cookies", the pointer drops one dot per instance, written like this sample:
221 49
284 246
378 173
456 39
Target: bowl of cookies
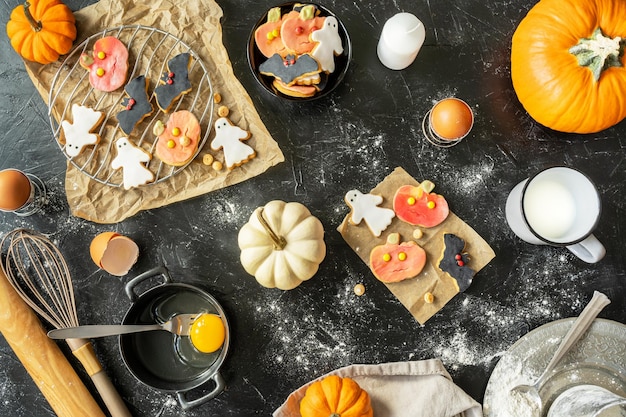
299 51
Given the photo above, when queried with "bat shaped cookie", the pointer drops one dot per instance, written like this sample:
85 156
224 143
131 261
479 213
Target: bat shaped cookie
454 261
175 82
137 104
290 68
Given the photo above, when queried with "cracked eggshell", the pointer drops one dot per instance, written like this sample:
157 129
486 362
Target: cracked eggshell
114 253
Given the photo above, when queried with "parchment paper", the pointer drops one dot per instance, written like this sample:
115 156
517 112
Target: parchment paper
411 292
197 23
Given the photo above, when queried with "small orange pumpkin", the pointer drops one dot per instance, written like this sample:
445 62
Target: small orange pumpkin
568 65
42 30
334 396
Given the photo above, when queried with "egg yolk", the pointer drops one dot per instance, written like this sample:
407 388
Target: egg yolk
207 333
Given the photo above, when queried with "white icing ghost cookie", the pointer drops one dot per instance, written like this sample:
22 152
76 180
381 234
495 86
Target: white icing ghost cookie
365 207
131 158
329 44
78 134
228 137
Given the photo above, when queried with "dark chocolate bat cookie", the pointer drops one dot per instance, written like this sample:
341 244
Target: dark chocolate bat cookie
289 68
454 261
175 82
137 104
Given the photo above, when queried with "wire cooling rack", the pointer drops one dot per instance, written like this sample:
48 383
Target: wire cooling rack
149 51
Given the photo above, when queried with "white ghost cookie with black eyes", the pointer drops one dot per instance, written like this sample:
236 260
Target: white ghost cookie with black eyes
131 159
228 137
79 133
328 44
365 207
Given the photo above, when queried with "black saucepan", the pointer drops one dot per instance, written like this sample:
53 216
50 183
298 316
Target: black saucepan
165 361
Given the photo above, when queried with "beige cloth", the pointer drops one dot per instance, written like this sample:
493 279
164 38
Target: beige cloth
197 23
410 292
401 389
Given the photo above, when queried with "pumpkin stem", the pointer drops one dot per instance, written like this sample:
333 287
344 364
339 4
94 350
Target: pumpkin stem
279 241
599 52
335 415
35 24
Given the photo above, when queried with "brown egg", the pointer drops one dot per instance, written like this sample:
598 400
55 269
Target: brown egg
451 118
114 253
15 189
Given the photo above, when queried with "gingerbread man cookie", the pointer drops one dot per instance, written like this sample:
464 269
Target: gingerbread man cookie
365 207
131 159
329 44
228 137
78 134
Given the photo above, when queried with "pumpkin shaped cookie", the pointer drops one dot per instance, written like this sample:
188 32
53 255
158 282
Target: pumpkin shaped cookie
419 207
396 261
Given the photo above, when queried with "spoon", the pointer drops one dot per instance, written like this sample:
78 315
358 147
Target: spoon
530 393
180 324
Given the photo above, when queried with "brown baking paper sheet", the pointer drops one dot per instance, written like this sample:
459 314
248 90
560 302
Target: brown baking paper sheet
410 292
197 24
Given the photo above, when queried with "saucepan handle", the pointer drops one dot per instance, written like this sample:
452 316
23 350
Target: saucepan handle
220 384
159 270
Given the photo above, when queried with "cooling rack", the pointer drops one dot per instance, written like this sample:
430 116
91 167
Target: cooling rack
149 51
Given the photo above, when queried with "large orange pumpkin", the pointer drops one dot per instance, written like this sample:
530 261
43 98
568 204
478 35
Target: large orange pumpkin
42 30
568 65
334 396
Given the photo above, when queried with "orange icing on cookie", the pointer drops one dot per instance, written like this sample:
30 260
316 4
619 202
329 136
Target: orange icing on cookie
107 64
296 33
396 261
178 142
268 37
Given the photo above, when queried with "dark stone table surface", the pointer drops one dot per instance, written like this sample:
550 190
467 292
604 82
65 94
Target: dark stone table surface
351 139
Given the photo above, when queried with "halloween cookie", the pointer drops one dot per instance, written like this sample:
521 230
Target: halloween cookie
365 207
228 137
79 133
267 36
454 261
175 82
296 29
416 205
396 261
131 159
178 139
289 69
328 44
107 64
136 106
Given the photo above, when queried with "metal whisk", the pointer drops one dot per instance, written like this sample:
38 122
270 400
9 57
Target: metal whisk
37 270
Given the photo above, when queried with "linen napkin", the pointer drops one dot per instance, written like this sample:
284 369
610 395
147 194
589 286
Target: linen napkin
401 389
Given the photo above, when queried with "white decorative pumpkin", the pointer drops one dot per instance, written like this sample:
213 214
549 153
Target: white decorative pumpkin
282 244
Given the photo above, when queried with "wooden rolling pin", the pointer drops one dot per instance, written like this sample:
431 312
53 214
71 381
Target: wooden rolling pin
42 358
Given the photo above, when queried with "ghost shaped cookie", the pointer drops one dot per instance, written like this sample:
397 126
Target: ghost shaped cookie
328 44
228 137
78 133
131 159
365 207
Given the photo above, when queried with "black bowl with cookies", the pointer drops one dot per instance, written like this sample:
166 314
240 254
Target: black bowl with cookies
299 51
